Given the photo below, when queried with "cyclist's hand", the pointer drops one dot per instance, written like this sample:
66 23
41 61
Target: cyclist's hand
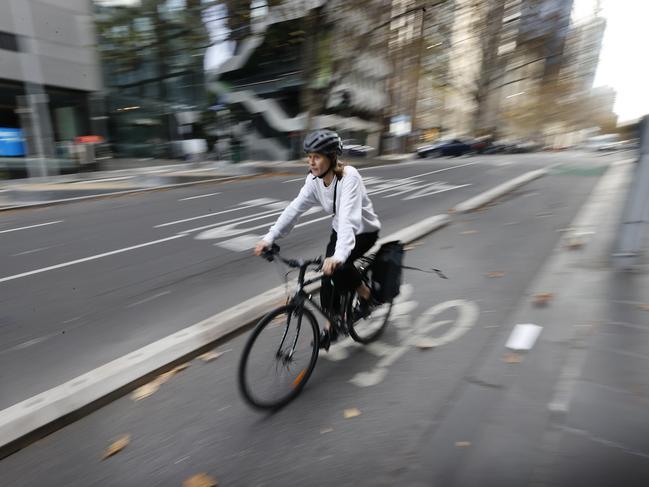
330 265
260 247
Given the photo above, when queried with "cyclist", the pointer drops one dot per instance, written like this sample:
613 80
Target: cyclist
338 188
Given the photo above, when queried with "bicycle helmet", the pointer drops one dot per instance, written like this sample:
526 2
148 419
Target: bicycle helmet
323 142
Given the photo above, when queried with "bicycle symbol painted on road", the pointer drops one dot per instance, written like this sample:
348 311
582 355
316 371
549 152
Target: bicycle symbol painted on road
409 334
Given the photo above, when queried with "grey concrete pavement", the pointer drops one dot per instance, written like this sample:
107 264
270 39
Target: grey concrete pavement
196 422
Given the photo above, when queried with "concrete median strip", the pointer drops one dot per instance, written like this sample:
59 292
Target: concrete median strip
500 190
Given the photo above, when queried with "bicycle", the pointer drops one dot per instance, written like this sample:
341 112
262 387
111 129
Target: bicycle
283 329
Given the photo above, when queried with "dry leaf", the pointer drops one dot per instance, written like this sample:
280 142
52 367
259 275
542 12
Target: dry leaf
200 480
209 356
162 378
351 413
542 299
409 247
512 358
469 232
425 344
146 390
180 368
462 444
326 430
495 274
117 446
574 243
644 307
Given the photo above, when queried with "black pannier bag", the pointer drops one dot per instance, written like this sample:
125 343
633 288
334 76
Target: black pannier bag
386 271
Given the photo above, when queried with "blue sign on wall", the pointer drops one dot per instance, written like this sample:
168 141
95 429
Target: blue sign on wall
12 142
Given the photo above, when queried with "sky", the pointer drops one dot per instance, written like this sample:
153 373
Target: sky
623 65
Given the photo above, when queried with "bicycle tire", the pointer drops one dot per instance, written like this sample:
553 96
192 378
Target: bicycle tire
293 316
376 322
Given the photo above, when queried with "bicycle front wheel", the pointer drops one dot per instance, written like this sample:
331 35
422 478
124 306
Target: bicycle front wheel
371 327
279 357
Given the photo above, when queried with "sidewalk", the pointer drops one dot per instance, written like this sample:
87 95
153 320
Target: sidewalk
122 176
576 404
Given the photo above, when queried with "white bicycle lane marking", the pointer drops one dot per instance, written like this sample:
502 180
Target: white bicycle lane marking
409 334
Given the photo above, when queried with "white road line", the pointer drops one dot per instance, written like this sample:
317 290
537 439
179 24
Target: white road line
86 259
244 206
26 252
199 196
420 195
150 298
239 220
223 232
31 226
293 180
240 243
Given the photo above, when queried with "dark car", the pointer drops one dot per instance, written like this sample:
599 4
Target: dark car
354 149
453 147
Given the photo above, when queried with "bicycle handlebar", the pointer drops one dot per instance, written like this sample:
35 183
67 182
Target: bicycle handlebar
270 253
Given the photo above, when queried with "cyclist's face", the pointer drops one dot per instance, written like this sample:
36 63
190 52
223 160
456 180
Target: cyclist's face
318 163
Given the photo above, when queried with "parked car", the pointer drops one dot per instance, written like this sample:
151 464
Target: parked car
453 147
354 149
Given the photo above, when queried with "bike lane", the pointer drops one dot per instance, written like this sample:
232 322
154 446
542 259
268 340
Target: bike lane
365 409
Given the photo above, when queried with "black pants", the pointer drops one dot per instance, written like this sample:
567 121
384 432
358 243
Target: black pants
346 277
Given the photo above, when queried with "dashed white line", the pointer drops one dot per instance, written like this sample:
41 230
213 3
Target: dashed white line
245 205
150 298
199 196
86 259
31 226
26 252
237 221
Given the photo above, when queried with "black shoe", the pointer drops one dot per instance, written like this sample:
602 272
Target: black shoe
363 309
327 337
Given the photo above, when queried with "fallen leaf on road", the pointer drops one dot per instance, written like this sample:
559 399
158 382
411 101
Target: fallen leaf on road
512 358
495 274
462 444
209 356
326 430
425 344
574 243
200 480
409 247
644 307
162 378
146 390
351 413
542 299
469 232
180 368
117 446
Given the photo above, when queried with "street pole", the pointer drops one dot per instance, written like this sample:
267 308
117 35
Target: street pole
633 232
35 111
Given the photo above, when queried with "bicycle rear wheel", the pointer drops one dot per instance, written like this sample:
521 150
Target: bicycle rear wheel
279 357
370 328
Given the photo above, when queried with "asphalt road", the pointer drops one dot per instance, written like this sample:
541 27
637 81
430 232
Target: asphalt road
85 283
196 422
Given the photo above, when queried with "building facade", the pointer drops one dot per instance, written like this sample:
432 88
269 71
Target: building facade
301 65
49 70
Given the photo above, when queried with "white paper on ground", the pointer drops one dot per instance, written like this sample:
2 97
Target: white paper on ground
523 336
